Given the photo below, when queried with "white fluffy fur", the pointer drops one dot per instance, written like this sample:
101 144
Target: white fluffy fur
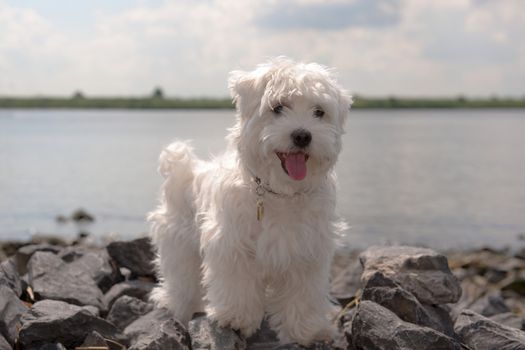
213 254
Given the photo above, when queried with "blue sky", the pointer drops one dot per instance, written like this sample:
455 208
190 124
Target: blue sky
381 47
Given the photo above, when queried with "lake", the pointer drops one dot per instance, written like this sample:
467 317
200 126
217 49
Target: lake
440 178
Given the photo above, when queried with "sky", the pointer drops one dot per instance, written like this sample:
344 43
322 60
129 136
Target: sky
474 48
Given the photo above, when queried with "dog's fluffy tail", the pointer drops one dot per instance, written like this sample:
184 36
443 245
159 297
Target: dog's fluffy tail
176 165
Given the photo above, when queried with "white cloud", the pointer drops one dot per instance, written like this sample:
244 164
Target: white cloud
187 47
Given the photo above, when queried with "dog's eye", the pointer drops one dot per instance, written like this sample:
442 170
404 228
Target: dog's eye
318 113
277 109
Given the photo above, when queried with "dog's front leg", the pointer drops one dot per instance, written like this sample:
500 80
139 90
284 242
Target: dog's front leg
300 309
234 293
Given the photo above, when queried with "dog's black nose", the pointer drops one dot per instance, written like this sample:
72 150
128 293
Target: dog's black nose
301 138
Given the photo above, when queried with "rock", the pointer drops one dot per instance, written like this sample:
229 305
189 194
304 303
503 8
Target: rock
420 271
56 321
480 333
92 309
72 253
489 305
51 278
26 252
157 330
517 285
95 339
264 338
52 346
509 319
127 309
9 276
207 334
136 255
347 282
97 265
135 288
4 345
387 293
11 310
375 327
295 346
80 215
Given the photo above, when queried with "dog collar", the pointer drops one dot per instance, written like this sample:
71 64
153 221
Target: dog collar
260 191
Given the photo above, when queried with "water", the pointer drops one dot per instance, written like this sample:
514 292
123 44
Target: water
441 178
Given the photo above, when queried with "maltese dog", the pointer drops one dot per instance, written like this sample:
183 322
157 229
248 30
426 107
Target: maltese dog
252 232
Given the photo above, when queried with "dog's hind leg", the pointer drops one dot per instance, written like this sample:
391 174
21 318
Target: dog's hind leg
179 266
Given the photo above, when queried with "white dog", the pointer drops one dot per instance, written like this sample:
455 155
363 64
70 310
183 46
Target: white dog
253 231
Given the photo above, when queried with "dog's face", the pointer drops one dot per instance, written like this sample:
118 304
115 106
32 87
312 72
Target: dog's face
290 122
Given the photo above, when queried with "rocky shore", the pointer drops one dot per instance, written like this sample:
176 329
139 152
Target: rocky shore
72 295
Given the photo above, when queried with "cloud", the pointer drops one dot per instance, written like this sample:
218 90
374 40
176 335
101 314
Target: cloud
408 47
293 15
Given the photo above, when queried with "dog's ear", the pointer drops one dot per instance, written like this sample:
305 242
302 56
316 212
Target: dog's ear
247 89
345 102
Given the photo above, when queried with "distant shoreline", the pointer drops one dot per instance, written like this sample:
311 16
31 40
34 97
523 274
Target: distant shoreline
81 102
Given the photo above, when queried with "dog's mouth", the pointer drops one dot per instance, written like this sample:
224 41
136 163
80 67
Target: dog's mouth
294 164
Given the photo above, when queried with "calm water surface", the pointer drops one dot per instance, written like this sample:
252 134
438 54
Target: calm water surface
442 178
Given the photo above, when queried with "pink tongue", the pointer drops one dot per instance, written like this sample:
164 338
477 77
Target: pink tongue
295 164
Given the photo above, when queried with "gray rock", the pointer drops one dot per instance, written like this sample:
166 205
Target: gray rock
97 265
422 272
489 305
72 253
94 339
509 319
92 309
264 338
387 293
315 346
9 276
127 309
26 252
136 255
375 327
4 345
51 346
157 330
11 311
52 278
480 333
135 288
51 321
207 334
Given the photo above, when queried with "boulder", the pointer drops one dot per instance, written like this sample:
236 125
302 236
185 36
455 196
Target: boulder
9 276
157 330
509 319
95 339
127 309
135 288
489 305
480 333
136 255
26 252
422 272
51 321
11 311
375 327
4 345
207 334
52 278
385 292
97 265
264 338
